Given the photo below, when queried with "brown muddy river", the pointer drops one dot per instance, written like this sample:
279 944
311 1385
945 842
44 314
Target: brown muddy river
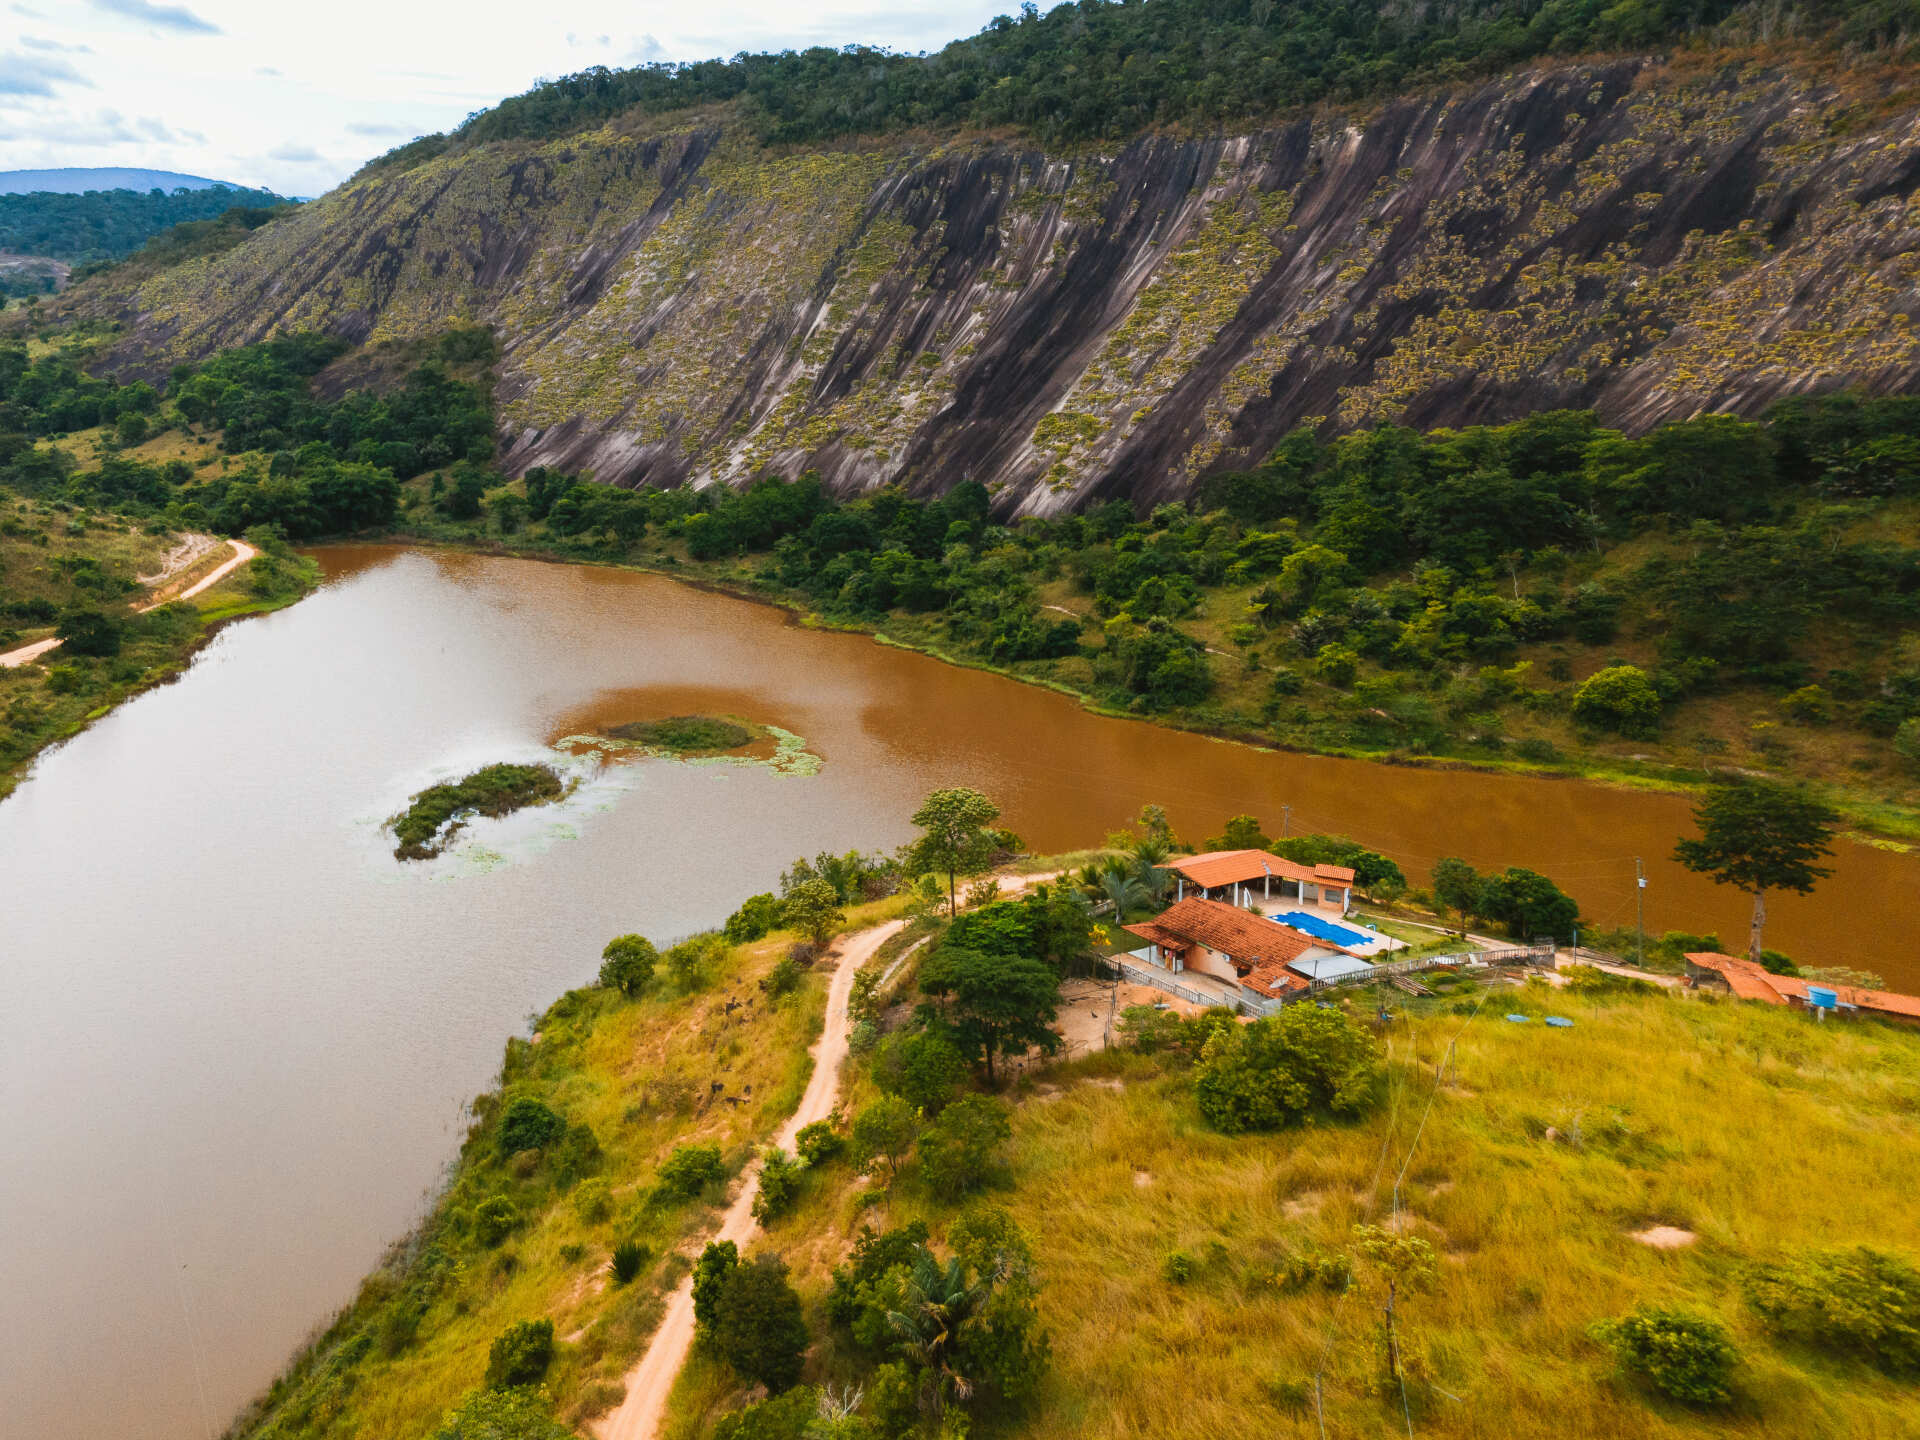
239 1035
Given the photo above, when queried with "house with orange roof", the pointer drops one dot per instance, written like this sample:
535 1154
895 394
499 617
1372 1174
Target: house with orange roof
1740 977
1270 960
1239 877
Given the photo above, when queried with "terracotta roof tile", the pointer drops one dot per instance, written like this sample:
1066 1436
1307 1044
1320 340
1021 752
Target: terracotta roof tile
1243 937
1338 874
1235 867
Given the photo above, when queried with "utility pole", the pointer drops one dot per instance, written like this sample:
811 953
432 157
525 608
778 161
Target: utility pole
1286 820
1639 913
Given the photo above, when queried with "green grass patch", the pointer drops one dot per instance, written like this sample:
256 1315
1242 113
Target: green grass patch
685 734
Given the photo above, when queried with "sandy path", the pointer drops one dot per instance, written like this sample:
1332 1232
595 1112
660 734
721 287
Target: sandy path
242 553
650 1381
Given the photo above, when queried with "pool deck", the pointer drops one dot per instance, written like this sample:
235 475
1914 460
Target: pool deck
1381 944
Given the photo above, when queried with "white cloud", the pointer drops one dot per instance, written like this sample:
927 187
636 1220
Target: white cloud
54 47
238 85
167 17
32 75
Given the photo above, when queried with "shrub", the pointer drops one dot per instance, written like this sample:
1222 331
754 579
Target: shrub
689 1170
593 1202
1286 681
521 1355
883 1133
1861 1303
628 1258
1810 705
627 964
693 961
757 1327
923 1069
1528 904
818 1143
528 1125
1906 741
779 1188
1336 664
1686 1357
494 1220
875 1252
960 1151
757 916
783 979
518 1414
791 1416
710 1273
812 911
1620 698
863 1037
1278 1071
1329 1269
1177 1267
90 632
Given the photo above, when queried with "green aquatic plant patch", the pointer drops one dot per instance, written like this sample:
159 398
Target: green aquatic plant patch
426 827
686 734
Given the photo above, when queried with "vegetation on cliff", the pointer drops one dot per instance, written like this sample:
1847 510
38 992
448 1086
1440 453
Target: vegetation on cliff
1103 69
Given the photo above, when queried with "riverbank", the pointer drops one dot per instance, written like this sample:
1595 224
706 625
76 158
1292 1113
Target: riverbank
1870 819
49 693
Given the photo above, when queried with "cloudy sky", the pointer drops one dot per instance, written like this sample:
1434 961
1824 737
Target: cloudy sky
295 95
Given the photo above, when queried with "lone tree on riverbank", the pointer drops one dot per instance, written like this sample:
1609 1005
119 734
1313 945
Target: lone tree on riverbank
958 840
1760 836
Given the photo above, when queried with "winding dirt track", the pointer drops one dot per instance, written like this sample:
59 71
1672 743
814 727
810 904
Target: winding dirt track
650 1381
242 552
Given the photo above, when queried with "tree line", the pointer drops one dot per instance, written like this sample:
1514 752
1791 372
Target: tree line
1103 69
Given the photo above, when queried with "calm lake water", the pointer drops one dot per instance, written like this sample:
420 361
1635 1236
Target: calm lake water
239 1036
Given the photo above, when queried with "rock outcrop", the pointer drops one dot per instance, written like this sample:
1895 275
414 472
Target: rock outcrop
678 305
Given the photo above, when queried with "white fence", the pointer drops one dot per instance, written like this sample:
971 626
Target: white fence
1145 972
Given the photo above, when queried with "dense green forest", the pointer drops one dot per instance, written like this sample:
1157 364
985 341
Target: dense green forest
1539 590
111 224
1099 69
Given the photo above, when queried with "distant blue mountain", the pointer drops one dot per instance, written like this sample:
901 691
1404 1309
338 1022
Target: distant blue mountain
75 182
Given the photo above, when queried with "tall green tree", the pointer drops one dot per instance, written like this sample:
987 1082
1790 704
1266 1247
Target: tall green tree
956 840
1760 836
627 964
758 1327
812 911
998 1004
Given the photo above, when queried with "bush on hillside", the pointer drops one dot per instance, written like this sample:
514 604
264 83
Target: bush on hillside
1279 1071
1863 1303
518 1414
1686 1357
924 1068
528 1125
757 916
494 1219
780 1177
627 964
960 1151
627 1259
689 1170
757 1326
1620 698
520 1355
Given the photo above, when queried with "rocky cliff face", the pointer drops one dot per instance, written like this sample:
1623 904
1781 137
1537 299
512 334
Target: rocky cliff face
679 305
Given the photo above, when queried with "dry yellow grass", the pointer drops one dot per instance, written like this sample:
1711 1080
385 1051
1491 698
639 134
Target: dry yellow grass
1754 1128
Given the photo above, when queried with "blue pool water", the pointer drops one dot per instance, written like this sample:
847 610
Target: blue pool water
1325 929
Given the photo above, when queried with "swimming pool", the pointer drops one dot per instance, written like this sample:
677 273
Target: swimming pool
1325 929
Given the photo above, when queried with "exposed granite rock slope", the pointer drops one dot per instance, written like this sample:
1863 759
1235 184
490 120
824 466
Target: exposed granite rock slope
681 305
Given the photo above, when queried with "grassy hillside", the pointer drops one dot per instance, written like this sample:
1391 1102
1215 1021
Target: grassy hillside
705 1058
1191 1283
1528 1169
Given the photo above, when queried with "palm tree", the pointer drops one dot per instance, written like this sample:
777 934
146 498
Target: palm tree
936 1302
1154 879
1124 892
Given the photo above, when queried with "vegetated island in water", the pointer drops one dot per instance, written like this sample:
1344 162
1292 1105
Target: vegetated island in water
685 734
427 826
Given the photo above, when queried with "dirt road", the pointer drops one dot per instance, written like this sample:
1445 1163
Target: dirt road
242 553
650 1381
